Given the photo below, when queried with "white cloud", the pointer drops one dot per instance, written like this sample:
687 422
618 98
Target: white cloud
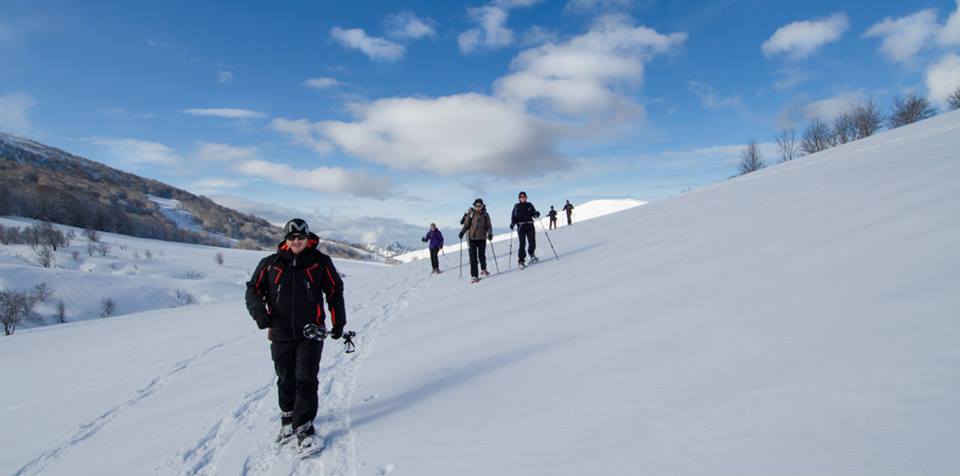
829 108
943 78
302 132
321 83
139 152
950 34
378 49
13 112
595 5
407 25
902 38
728 153
536 36
580 76
219 183
227 113
709 97
492 32
212 152
224 77
321 179
791 78
453 134
800 39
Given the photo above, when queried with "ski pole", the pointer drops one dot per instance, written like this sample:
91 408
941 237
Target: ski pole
314 332
461 257
510 256
548 240
494 249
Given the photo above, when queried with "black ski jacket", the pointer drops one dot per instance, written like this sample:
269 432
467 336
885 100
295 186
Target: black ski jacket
523 212
284 293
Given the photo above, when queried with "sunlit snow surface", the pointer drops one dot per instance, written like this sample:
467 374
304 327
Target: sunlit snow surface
799 320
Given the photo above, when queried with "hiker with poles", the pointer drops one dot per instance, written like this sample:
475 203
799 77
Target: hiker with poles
553 218
478 228
569 209
434 240
522 218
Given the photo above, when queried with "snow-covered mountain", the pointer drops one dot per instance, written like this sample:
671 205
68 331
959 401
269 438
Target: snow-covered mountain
798 320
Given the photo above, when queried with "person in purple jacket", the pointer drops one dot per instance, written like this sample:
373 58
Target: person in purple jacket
435 239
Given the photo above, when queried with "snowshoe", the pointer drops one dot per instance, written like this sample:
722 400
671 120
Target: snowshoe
474 280
285 435
484 273
309 445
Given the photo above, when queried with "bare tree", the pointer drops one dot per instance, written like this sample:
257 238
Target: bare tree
107 307
867 119
45 255
750 160
103 249
787 143
843 130
42 292
218 259
816 138
91 234
61 312
148 254
909 109
16 307
954 99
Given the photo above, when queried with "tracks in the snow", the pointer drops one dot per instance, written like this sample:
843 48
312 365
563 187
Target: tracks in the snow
91 428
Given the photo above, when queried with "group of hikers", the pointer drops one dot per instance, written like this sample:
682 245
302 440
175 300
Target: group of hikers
477 227
286 292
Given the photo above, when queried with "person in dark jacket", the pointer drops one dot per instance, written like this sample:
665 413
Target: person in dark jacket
522 217
553 218
477 227
284 295
434 240
569 209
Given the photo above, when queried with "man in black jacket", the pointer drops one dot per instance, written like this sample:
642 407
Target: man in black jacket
284 295
523 215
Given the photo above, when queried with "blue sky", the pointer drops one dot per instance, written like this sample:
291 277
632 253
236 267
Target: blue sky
410 110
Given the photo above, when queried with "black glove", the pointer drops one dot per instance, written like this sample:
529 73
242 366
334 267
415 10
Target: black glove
263 322
424 239
511 226
460 235
490 236
536 215
336 333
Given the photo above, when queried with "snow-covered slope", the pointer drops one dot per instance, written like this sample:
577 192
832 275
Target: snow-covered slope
587 211
799 320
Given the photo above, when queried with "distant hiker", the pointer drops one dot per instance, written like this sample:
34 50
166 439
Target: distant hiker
569 209
477 227
434 240
522 217
553 218
284 295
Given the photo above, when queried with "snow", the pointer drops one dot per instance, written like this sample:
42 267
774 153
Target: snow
173 210
587 211
799 320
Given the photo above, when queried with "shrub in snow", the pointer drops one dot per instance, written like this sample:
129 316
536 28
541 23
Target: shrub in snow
750 160
107 306
787 144
91 234
45 255
954 99
17 306
218 259
185 299
909 109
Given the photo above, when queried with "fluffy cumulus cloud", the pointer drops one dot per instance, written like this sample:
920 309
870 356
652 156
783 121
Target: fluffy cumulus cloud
406 25
902 38
302 132
13 112
709 98
320 179
137 151
950 34
226 113
800 39
378 49
580 77
943 78
462 133
212 152
491 31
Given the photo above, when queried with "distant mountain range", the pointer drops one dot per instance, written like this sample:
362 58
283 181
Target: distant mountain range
45 183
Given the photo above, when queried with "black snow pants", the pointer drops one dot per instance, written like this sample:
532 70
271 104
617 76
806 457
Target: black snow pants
526 233
478 251
435 258
297 364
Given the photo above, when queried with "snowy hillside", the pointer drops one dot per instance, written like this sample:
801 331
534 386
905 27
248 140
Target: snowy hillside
587 211
798 320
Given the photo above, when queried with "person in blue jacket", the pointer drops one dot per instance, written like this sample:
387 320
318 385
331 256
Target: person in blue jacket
434 240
